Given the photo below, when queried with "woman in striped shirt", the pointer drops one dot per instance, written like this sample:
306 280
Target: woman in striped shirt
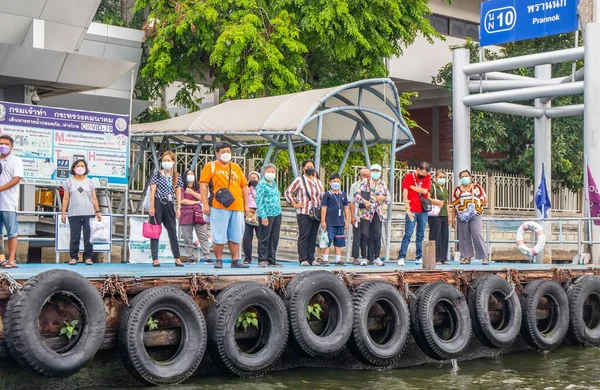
305 195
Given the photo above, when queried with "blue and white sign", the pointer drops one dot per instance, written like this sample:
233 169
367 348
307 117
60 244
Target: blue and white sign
505 21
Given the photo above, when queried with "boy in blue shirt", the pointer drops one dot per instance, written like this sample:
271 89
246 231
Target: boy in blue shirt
335 215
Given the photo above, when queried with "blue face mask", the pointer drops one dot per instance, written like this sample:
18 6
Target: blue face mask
441 181
335 186
465 181
375 175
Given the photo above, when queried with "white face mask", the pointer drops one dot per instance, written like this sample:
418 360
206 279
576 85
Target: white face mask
168 165
270 176
225 157
190 178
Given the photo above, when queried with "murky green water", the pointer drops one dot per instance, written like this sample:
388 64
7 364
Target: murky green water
567 368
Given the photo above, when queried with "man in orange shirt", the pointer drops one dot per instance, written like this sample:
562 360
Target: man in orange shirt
229 203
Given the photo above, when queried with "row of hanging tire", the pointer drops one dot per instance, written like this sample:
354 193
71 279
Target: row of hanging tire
438 316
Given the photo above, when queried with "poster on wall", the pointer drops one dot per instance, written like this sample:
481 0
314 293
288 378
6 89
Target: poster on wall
63 236
49 139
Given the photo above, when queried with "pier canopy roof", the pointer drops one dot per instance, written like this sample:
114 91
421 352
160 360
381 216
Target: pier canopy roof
371 106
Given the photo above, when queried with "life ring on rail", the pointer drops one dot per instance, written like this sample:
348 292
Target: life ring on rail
382 346
328 336
441 321
549 332
51 357
584 308
167 304
249 329
541 239
493 293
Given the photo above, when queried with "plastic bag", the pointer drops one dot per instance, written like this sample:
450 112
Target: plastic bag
99 232
323 238
146 202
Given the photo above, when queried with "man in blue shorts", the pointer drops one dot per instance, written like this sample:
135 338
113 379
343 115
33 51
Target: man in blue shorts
335 215
11 173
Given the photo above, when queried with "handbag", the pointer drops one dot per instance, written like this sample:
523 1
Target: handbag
435 210
426 204
151 231
314 212
199 215
223 195
469 212
99 232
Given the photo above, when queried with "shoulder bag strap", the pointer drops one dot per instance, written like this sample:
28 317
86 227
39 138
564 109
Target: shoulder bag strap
229 180
306 189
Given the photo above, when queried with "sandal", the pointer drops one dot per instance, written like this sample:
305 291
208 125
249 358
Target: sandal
5 264
485 262
305 263
465 260
13 265
318 262
89 262
73 262
155 263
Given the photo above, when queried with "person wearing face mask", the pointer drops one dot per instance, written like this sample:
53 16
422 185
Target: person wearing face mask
334 219
268 210
164 185
192 219
364 173
251 226
305 194
439 218
228 204
468 201
415 186
11 173
370 197
82 204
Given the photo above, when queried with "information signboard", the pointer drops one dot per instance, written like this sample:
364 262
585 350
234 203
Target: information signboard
504 21
49 139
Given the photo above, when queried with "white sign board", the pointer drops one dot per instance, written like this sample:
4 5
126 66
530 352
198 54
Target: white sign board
139 246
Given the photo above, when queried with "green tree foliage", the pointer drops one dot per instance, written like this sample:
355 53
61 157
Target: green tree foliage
257 48
513 136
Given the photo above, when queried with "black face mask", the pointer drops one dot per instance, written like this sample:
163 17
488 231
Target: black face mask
253 183
309 171
421 176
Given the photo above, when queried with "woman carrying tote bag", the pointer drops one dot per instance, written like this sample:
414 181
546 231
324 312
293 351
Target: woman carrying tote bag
192 219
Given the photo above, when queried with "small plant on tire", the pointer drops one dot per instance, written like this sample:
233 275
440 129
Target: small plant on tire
246 319
70 329
152 324
314 310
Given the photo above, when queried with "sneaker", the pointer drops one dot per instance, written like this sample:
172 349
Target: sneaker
355 262
209 261
262 264
401 263
305 263
340 263
363 262
418 261
379 263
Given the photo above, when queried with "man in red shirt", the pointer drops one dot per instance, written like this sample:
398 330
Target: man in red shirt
414 185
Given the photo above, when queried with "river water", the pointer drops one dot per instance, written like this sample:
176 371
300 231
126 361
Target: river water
566 368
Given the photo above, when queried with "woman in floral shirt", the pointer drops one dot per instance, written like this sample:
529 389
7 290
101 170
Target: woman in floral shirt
370 198
268 210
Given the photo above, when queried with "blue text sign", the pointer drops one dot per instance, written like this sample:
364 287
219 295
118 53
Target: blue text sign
505 21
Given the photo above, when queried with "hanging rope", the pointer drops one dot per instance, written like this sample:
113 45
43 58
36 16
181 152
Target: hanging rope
346 278
8 280
404 287
512 276
461 282
561 275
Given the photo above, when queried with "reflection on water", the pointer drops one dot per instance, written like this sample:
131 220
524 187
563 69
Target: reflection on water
567 368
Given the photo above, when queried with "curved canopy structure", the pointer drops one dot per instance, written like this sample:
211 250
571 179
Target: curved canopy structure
372 104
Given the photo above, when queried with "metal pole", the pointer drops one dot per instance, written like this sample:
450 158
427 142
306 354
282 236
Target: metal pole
513 95
292 155
196 156
267 158
511 109
318 147
390 211
126 208
543 152
461 114
365 147
349 148
591 114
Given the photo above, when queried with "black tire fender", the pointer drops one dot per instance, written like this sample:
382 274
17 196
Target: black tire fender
443 297
130 341
554 329
384 349
338 329
274 329
22 316
503 332
584 309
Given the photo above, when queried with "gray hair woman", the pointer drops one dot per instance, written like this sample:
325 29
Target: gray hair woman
268 210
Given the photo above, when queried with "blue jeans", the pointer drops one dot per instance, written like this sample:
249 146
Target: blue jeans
421 222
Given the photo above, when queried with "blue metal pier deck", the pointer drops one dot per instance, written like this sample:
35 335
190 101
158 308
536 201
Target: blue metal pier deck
26 271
